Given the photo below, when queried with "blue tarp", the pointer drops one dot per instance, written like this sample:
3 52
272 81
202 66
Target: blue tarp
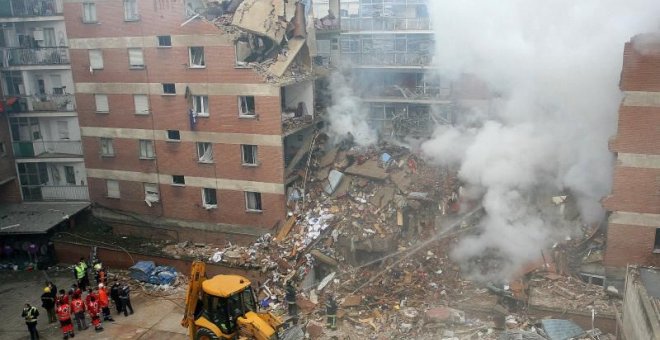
142 270
162 275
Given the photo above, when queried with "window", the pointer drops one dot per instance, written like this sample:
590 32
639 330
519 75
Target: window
102 103
89 12
205 152
656 246
141 102
147 149
95 59
196 56
131 10
178 180
112 188
249 154
69 175
169 88
201 105
56 84
173 135
49 37
151 193
209 198
252 201
63 129
107 149
246 106
135 58
164 41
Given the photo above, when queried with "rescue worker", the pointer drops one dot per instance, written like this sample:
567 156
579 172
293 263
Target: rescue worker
48 303
78 310
104 303
114 295
30 313
331 312
290 298
125 297
101 273
64 315
80 270
93 310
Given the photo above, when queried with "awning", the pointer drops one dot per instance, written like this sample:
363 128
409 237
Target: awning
36 218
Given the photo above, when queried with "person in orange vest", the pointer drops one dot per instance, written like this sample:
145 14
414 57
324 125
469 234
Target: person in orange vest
93 310
104 303
63 312
78 309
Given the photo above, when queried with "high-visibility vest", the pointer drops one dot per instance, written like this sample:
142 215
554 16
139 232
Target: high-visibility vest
80 271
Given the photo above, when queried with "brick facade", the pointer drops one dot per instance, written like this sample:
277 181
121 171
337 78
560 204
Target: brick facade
636 187
170 65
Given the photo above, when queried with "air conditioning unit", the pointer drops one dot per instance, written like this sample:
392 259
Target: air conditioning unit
38 35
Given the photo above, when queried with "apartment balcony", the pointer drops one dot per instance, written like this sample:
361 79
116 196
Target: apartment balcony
23 56
55 192
385 59
390 24
30 8
47 149
416 94
40 103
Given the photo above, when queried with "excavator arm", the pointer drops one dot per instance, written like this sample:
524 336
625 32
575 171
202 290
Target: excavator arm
197 276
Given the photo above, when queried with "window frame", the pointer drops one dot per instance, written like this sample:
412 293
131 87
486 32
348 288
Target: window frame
108 191
241 113
135 104
169 39
190 57
206 195
204 100
656 244
259 202
169 136
132 66
100 64
92 6
178 180
147 150
199 146
107 147
151 189
106 100
134 8
165 93
255 155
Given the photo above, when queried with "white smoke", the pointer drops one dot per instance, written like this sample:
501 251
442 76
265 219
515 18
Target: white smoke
556 65
348 115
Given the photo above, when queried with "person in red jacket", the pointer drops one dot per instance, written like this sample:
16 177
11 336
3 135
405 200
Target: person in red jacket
78 309
104 303
63 312
93 310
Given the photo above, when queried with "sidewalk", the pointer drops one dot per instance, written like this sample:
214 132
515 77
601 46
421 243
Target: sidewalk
154 318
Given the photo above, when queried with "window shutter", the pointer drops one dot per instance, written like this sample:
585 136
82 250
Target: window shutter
141 104
113 188
135 57
95 59
101 103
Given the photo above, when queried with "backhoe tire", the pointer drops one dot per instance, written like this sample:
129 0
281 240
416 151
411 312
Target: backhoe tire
205 334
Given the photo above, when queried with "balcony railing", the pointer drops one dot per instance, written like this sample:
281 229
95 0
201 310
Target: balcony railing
388 59
39 103
30 8
385 24
47 149
17 56
55 192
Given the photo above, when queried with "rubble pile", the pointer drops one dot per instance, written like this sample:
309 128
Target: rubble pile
561 292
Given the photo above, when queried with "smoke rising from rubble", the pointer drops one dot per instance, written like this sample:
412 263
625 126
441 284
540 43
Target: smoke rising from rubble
348 114
555 66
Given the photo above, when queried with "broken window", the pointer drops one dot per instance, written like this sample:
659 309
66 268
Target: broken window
201 105
205 152
246 106
107 149
131 10
196 55
164 41
141 102
173 135
178 179
96 59
151 193
209 198
169 88
135 58
249 154
89 12
656 246
101 103
253 201
146 149
112 188
252 48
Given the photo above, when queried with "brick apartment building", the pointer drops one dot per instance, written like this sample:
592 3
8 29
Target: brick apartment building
633 235
193 116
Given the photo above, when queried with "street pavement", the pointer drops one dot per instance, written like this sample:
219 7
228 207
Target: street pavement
155 317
